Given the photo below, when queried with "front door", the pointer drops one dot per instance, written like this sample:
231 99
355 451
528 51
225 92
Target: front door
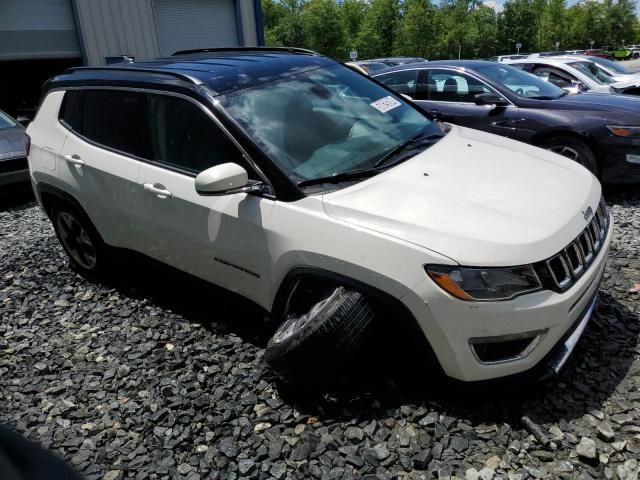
221 239
450 95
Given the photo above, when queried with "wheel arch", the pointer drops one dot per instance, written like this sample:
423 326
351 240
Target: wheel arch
380 298
49 195
582 136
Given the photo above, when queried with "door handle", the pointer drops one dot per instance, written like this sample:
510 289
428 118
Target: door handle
159 191
74 159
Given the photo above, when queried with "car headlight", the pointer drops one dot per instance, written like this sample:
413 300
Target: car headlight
484 284
624 131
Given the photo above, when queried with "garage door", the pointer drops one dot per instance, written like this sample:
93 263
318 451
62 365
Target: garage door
37 29
188 24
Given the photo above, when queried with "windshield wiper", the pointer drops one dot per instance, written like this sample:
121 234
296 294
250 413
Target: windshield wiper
340 177
414 142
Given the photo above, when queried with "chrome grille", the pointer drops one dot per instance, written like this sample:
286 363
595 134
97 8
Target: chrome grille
564 268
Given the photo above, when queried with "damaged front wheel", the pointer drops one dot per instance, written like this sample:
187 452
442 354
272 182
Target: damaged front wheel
314 343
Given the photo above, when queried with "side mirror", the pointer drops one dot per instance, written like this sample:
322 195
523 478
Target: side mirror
490 99
579 86
223 179
576 87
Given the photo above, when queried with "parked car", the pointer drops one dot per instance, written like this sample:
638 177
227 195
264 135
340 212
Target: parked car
394 61
13 159
598 52
575 52
550 53
635 50
618 53
600 132
575 74
368 67
325 198
502 58
616 70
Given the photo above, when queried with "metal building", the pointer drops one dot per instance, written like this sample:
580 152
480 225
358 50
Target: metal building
39 38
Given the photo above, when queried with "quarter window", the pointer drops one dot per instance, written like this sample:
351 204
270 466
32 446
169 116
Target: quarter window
450 86
71 110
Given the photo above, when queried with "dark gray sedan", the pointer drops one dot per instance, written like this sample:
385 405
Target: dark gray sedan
13 157
600 131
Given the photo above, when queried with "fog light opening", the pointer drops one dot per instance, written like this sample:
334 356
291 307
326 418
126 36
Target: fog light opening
633 158
505 348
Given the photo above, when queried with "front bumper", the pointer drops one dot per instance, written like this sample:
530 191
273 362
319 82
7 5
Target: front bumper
620 163
557 318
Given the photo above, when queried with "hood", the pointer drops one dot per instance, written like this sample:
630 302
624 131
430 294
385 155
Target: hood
479 199
626 84
12 143
600 102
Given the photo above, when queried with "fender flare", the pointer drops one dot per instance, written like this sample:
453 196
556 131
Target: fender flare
46 190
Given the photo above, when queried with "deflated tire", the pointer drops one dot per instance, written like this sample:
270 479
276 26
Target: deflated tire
313 344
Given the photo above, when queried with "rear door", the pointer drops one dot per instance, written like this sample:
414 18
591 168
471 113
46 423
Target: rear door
101 158
221 239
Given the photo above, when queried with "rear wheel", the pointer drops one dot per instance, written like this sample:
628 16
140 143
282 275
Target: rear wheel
573 149
79 239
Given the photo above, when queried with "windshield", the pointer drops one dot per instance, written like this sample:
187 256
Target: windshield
374 66
522 83
325 121
6 121
611 65
594 72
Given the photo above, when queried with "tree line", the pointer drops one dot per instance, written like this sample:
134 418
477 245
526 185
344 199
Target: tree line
451 28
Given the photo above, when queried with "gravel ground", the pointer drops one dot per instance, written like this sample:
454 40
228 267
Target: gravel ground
152 376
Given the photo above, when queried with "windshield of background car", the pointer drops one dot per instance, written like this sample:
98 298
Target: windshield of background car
611 65
374 66
594 72
6 122
522 83
325 121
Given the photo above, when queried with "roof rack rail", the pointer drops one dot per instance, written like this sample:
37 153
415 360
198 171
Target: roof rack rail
248 49
178 75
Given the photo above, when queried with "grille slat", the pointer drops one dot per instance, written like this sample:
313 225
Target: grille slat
563 269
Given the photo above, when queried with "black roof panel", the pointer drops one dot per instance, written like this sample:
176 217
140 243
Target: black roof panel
221 71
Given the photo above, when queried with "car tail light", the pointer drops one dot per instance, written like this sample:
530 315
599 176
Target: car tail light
27 144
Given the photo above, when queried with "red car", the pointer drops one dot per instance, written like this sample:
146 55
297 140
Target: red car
599 53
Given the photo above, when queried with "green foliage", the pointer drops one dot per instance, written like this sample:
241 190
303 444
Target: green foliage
377 28
377 33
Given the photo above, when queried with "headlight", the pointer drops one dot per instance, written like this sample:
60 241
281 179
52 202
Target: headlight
484 284
624 131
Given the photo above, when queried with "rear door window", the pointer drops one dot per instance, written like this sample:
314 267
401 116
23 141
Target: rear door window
115 119
403 81
110 118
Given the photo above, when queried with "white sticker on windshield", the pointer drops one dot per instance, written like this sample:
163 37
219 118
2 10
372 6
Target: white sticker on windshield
385 104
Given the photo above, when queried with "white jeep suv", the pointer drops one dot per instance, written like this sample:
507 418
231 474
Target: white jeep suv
321 195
